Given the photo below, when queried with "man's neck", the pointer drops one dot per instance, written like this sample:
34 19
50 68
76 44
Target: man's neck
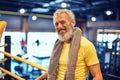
68 41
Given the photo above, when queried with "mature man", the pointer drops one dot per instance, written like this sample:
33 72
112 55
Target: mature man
73 55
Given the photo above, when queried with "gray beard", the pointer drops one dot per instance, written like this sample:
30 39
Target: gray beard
67 35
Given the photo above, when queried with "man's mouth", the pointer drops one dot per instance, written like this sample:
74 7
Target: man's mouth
62 31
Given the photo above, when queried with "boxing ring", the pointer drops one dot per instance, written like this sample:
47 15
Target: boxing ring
7 72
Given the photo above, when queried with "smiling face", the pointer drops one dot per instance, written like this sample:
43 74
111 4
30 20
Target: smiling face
64 26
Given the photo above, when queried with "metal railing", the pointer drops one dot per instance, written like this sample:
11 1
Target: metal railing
19 59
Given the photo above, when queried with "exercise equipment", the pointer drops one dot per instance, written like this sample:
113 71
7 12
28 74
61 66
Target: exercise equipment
2 27
6 70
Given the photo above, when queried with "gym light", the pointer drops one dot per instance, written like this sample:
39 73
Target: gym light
93 18
63 5
108 12
34 18
22 11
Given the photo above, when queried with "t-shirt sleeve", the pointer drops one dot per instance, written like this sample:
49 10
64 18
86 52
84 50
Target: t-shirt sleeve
91 57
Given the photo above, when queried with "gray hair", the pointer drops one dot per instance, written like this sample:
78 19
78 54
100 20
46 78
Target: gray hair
66 11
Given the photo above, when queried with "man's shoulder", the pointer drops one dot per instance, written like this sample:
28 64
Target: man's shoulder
85 41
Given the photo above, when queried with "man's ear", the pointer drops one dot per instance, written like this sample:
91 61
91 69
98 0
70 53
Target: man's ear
73 22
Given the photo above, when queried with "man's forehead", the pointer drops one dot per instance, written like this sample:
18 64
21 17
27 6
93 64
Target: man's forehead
61 16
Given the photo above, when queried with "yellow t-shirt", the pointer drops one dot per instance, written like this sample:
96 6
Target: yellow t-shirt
87 56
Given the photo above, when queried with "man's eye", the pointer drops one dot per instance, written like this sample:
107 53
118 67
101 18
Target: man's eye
62 22
56 24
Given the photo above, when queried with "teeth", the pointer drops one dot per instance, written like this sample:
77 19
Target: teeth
61 31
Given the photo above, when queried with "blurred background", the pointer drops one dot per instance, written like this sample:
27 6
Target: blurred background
31 32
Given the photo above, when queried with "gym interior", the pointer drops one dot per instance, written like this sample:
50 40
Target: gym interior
28 36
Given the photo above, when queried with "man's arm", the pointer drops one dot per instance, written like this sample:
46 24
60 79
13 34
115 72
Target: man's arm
96 72
43 76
